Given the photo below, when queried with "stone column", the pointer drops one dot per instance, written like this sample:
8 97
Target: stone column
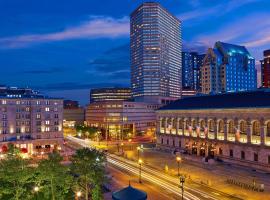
177 125
249 132
225 130
165 128
263 128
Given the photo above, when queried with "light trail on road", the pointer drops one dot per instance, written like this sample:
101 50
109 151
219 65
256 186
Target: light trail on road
154 176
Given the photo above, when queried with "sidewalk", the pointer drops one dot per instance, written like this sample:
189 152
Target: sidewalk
205 174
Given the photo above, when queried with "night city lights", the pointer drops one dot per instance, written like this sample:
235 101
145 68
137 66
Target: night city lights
135 100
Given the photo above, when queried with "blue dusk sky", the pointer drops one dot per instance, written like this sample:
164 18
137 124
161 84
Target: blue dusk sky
64 48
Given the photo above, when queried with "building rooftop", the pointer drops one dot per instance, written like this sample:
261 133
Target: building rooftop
251 99
129 193
229 49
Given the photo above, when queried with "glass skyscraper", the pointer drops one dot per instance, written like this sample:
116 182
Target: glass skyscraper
228 68
191 70
155 43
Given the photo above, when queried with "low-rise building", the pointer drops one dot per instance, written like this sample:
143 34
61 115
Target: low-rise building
73 114
29 120
117 117
110 94
233 127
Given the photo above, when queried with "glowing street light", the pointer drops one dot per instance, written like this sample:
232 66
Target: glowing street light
140 170
36 189
178 160
78 195
138 150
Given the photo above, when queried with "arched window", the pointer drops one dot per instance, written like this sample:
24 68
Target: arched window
243 127
256 128
268 129
174 123
181 124
193 124
231 127
211 126
202 124
221 126
163 122
169 123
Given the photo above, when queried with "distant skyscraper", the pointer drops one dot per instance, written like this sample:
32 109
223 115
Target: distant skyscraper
265 65
155 43
191 66
228 68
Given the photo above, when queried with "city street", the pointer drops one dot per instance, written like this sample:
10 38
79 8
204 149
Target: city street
165 181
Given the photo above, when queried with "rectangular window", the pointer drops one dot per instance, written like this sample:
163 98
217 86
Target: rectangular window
231 153
256 157
243 155
47 109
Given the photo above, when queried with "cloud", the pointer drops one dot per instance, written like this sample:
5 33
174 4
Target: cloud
95 27
114 59
241 31
44 71
77 85
217 10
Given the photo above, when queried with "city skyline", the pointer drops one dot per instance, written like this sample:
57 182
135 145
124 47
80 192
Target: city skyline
56 47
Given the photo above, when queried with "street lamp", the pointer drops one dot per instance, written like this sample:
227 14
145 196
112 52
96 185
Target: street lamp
122 147
36 189
78 195
182 181
129 141
138 149
140 170
178 160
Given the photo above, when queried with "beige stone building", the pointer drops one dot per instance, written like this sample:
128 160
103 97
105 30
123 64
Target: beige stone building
30 121
233 127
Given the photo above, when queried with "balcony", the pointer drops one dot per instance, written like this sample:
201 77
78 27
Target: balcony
194 134
243 138
162 130
267 141
211 135
220 136
173 131
255 139
186 133
231 137
180 131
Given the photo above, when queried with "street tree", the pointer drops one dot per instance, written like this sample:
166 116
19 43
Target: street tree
54 178
16 178
88 166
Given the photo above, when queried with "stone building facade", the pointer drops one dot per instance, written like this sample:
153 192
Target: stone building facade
232 127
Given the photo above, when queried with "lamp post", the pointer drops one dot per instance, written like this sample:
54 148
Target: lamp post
36 189
140 170
129 141
138 150
182 181
78 195
178 160
122 147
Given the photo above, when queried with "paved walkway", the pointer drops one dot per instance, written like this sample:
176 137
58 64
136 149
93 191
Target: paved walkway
205 174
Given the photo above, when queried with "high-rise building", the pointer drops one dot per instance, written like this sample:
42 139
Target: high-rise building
228 68
265 66
30 121
191 66
155 43
109 94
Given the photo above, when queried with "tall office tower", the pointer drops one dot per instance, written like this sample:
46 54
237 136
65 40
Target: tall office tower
228 68
191 67
265 66
155 43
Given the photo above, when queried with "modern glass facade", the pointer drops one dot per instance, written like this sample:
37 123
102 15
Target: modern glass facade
228 68
265 64
191 66
155 43
109 94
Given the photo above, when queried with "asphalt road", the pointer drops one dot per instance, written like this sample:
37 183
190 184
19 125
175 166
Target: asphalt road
156 177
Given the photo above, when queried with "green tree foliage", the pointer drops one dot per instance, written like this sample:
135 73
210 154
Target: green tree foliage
87 131
88 165
16 178
54 178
